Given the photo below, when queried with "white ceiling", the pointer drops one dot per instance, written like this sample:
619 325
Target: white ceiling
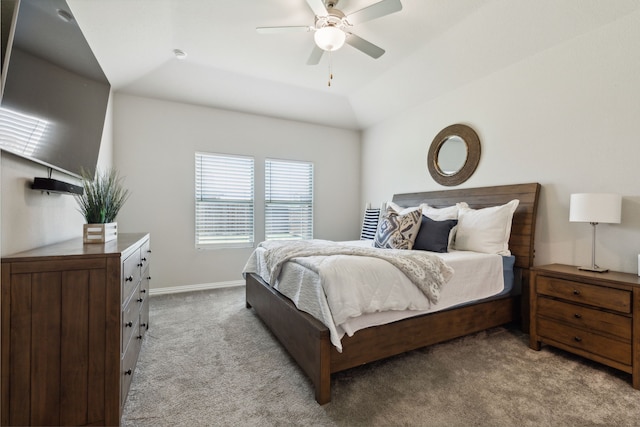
432 46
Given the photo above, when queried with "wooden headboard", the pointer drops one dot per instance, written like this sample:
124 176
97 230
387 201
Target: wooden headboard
523 226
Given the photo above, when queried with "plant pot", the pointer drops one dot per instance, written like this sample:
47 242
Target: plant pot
100 233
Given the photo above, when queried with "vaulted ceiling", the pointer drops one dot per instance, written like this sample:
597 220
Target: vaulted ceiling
432 47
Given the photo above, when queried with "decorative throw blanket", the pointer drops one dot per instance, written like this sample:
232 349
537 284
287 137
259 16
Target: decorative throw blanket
427 271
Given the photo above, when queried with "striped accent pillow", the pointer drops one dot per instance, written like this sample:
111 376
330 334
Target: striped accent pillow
370 223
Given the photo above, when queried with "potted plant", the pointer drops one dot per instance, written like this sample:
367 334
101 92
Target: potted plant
100 203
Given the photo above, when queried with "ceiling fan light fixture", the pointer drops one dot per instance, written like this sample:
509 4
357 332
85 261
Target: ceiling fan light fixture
329 38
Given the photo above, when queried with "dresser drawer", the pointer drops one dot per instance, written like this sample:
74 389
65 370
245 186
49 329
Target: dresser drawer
145 255
128 365
144 319
578 338
130 275
597 296
130 318
586 318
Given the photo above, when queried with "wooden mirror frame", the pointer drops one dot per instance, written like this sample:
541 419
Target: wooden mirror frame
470 137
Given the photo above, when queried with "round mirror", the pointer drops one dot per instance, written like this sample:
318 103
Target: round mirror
454 155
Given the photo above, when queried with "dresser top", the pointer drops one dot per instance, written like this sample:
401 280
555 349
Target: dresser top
572 272
76 247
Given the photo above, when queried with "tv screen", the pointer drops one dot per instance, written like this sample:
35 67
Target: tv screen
55 94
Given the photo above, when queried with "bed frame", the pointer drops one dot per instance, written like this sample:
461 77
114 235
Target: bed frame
307 339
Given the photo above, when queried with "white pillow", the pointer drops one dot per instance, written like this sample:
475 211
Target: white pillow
485 230
402 211
439 214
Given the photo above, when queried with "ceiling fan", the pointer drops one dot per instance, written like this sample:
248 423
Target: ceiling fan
332 28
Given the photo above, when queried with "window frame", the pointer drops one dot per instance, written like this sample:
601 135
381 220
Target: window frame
270 201
240 190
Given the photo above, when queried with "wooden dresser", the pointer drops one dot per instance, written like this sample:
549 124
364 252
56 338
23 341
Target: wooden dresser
594 315
72 322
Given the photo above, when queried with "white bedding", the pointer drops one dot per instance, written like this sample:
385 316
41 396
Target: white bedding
382 292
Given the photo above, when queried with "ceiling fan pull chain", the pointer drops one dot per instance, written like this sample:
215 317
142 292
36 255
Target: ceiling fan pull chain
330 70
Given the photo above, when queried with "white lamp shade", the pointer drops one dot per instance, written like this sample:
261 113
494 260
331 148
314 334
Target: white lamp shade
329 38
595 207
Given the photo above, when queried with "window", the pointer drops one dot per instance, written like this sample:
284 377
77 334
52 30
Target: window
224 201
288 200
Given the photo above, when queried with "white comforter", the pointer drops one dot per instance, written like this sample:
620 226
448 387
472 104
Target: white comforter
348 293
427 272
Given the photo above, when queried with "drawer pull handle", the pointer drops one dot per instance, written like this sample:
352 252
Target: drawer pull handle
128 324
139 337
144 259
578 316
140 299
148 277
577 339
144 291
127 372
576 292
129 279
144 325
140 265
149 250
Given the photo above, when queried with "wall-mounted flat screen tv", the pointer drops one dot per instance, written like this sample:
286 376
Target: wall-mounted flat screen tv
55 94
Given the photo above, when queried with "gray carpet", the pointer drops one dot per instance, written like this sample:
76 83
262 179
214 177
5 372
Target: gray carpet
208 361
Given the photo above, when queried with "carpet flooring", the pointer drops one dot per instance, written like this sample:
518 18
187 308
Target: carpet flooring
209 361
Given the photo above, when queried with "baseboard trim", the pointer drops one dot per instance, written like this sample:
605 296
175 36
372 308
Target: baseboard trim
191 288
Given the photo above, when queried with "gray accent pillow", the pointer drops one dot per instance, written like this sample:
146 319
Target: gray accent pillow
434 235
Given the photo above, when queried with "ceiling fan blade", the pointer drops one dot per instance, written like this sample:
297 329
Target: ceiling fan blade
273 30
316 55
376 10
364 46
318 7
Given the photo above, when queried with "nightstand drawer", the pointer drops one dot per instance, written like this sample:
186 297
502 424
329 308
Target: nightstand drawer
586 318
597 296
587 341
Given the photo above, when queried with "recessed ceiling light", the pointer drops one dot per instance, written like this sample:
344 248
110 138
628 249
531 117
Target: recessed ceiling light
64 15
179 53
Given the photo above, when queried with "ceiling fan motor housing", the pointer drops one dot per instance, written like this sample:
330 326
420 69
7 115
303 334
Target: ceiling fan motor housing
334 18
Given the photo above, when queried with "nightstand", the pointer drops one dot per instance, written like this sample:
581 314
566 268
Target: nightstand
594 315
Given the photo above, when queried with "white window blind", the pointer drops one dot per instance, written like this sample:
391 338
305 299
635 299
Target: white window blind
224 201
288 200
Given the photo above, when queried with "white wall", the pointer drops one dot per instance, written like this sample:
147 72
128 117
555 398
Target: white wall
566 117
155 145
32 218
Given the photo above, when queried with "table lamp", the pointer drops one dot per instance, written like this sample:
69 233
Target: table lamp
595 208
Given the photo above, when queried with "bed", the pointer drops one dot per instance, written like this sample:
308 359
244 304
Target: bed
308 340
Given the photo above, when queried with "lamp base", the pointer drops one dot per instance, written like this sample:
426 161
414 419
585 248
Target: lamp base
595 269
